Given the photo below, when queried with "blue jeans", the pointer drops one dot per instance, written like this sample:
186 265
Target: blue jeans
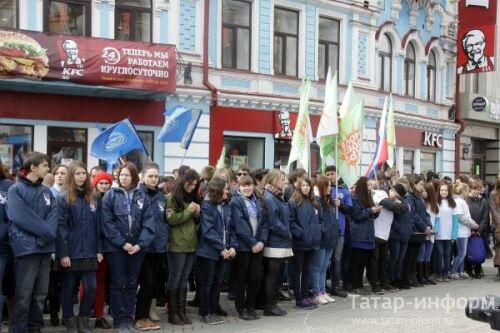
458 262
321 259
124 270
425 251
211 276
68 280
443 256
336 257
3 262
32 284
397 251
179 268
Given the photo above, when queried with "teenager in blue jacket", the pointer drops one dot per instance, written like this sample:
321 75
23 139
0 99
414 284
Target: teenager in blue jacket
78 248
128 227
246 212
32 232
305 219
329 236
5 252
277 238
216 246
362 233
149 277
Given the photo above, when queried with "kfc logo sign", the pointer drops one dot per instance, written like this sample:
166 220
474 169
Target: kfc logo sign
73 65
433 140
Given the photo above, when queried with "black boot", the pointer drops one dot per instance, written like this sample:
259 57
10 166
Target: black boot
427 273
83 325
173 304
181 310
420 273
70 324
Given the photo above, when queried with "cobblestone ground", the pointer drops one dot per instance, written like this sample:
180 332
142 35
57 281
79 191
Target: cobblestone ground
415 310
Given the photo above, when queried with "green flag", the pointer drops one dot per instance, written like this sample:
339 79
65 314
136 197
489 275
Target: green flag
328 124
220 163
301 140
350 141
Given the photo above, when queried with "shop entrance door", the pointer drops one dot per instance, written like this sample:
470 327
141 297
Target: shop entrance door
478 158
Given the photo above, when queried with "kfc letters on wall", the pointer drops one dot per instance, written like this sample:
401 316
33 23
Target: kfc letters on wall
93 61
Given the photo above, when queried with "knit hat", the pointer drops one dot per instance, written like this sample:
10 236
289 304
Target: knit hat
400 189
101 175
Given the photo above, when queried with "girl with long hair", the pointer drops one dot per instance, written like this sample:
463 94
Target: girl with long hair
329 236
78 249
59 172
128 227
445 230
478 207
362 233
305 218
183 215
425 253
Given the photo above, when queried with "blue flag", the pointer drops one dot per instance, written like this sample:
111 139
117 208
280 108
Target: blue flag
180 125
115 141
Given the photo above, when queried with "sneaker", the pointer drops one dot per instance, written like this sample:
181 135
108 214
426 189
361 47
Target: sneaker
244 315
327 298
153 325
252 313
304 305
211 319
339 293
274 310
142 325
376 289
360 291
310 300
389 288
464 275
454 276
320 300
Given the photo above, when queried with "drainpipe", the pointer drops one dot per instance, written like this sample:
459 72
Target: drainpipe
206 81
458 119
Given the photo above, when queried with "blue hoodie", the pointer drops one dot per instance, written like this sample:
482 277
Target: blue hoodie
157 202
4 221
115 220
78 235
345 206
216 230
305 225
276 216
33 218
241 222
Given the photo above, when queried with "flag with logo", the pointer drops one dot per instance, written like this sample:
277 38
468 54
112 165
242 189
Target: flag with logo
391 134
302 134
221 164
328 124
350 138
115 141
180 125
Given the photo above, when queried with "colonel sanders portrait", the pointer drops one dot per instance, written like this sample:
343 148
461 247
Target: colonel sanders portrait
473 44
70 47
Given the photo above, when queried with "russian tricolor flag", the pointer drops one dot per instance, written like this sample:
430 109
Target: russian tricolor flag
382 149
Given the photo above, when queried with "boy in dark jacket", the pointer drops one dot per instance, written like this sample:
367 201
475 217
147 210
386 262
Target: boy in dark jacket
32 233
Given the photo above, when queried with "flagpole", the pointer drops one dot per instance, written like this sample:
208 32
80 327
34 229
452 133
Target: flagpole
336 179
183 157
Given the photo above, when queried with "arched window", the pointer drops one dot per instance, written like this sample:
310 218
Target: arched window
133 20
385 63
431 77
409 73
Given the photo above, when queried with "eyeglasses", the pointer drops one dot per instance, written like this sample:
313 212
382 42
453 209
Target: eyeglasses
242 174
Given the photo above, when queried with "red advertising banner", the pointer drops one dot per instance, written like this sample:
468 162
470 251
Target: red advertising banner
476 36
85 60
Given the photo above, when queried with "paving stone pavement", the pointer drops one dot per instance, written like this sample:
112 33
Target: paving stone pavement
415 310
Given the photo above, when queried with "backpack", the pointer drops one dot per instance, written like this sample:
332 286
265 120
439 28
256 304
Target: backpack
476 252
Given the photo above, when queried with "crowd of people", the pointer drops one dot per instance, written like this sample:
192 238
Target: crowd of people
135 238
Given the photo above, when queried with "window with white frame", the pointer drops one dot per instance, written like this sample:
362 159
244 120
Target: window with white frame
236 33
286 33
431 77
328 46
385 63
133 20
69 17
409 71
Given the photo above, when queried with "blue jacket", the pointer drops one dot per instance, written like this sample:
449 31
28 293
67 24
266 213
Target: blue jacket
362 226
241 222
33 218
330 229
4 221
214 229
402 225
305 225
276 219
420 218
115 220
157 202
345 208
77 228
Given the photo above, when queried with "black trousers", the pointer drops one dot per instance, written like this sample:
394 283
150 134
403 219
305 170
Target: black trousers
301 266
410 262
271 271
377 272
248 272
148 281
360 260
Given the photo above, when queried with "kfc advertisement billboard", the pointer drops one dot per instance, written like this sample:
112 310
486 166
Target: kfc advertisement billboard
476 36
92 61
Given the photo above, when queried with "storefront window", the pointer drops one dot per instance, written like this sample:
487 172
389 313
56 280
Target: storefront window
282 153
16 141
70 17
67 144
244 151
427 162
408 161
8 14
